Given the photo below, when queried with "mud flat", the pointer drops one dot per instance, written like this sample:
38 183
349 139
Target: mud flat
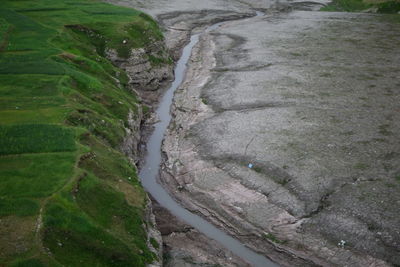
311 100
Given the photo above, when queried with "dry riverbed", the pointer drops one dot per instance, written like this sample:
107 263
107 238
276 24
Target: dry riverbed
311 101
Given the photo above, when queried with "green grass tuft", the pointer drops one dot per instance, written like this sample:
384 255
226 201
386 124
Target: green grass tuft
388 7
20 207
154 243
346 5
273 238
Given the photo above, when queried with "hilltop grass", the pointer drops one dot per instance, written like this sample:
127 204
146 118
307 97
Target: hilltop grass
63 109
387 7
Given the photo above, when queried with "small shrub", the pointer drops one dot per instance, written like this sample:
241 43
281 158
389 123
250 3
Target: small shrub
273 238
154 243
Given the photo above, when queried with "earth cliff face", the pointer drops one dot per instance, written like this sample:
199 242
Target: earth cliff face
286 131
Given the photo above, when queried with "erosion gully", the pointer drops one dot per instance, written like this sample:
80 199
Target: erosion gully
150 171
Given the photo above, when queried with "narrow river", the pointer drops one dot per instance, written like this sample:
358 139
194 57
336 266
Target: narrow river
150 170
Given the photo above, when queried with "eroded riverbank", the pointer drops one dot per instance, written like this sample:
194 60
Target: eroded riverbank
150 170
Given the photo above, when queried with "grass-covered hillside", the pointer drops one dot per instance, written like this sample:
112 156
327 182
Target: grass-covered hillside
67 195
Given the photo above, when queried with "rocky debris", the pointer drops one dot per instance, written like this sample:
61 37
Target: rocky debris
130 145
143 74
154 238
184 246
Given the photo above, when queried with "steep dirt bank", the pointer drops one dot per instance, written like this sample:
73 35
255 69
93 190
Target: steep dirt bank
147 79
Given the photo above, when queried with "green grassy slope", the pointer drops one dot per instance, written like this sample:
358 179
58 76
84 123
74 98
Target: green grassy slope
67 195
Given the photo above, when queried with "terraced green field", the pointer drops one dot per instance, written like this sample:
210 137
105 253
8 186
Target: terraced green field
67 195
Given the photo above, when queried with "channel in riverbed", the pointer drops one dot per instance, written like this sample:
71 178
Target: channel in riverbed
150 170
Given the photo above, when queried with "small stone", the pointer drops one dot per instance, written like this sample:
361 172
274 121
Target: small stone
124 41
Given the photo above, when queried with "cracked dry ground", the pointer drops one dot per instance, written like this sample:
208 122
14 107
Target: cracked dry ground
312 100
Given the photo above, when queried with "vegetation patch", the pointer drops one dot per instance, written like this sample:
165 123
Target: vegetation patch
19 207
28 263
273 238
76 240
154 243
158 60
35 138
388 7
346 5
384 129
108 164
361 166
35 175
16 85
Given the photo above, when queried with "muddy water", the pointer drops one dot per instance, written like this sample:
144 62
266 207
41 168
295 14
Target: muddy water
150 170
